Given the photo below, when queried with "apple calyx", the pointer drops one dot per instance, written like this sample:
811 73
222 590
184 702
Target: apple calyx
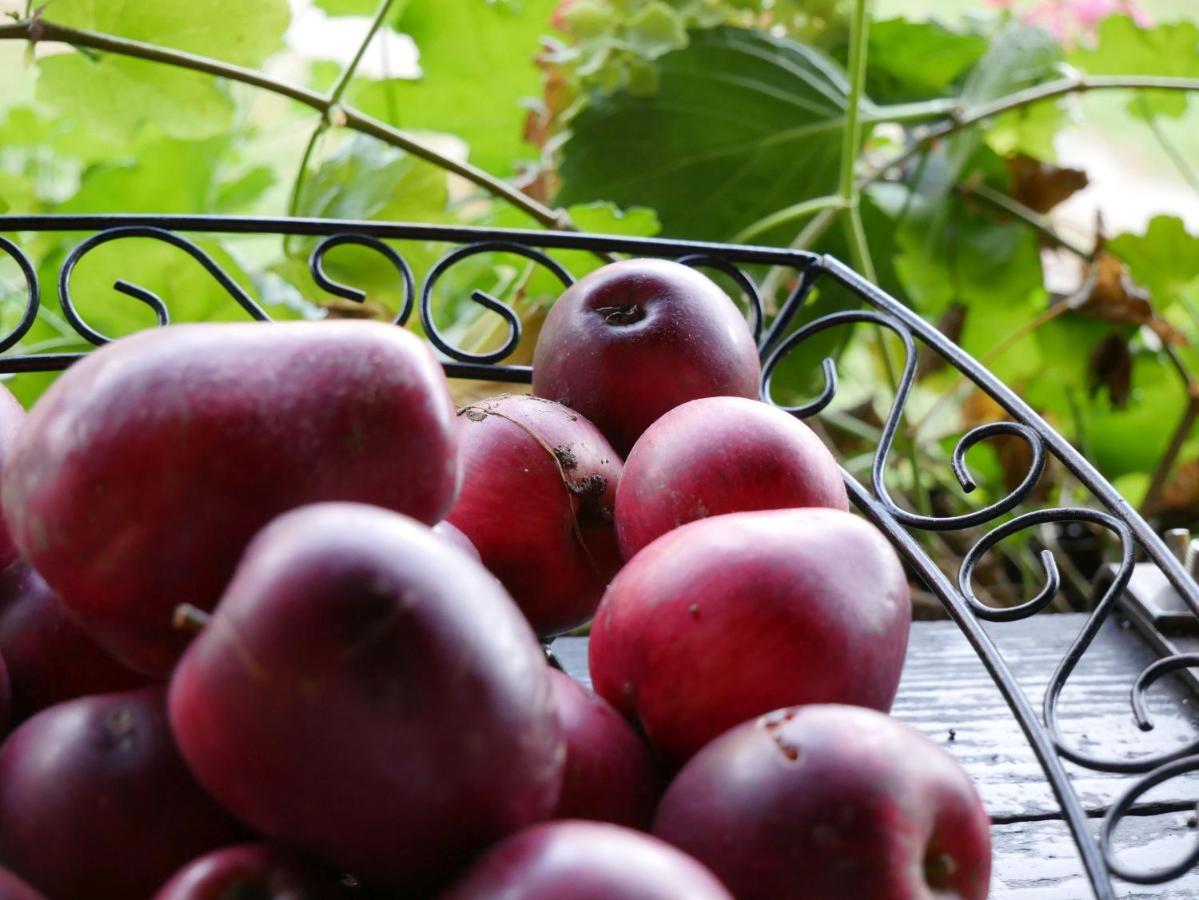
621 315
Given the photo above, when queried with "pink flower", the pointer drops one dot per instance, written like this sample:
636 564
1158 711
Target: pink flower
1072 20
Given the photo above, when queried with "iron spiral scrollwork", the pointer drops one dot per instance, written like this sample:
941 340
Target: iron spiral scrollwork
778 337
434 334
316 265
161 312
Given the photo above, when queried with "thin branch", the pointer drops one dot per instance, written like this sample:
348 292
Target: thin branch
1050 90
297 186
1167 145
1165 465
343 81
332 99
788 214
1025 214
41 30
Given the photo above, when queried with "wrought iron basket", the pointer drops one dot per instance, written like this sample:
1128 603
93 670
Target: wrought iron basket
778 335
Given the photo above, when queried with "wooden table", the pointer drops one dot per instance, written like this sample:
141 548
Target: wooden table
946 694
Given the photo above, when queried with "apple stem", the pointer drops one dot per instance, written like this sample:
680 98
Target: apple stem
190 618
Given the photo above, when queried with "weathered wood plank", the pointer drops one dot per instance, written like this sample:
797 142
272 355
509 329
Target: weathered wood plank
1037 860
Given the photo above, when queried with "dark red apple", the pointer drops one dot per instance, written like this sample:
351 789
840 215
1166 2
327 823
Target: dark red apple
539 484
610 774
145 469
369 693
13 888
12 418
572 860
50 658
95 803
454 535
5 697
632 340
729 617
828 802
721 455
253 872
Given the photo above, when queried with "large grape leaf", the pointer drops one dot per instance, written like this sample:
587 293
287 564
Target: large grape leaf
477 66
742 124
1125 48
161 175
233 30
115 95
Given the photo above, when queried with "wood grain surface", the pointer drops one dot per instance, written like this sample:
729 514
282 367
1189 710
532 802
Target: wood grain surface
946 694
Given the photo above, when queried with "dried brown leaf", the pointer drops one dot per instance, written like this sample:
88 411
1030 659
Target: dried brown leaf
1111 295
1110 367
1040 185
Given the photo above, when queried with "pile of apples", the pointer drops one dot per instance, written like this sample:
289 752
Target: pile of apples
271 609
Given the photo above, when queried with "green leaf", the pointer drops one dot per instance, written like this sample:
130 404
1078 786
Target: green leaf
1066 344
1165 260
608 218
950 249
366 179
1134 439
348 7
655 30
589 18
164 176
240 193
1029 130
116 96
1124 48
1018 58
742 124
231 30
908 60
477 65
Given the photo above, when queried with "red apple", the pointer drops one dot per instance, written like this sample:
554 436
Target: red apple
369 693
632 340
721 455
538 489
95 803
50 658
12 418
454 535
827 802
610 774
254 872
5 697
145 469
13 888
571 860
729 617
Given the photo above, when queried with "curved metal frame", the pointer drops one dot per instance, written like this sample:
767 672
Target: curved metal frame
775 343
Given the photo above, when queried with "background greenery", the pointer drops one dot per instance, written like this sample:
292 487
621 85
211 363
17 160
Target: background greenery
721 120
